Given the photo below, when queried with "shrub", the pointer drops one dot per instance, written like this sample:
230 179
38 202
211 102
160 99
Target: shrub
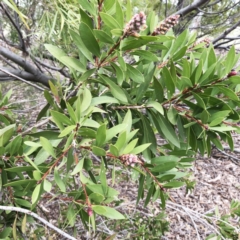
132 87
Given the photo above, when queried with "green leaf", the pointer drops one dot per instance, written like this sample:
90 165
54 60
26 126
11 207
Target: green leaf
15 145
228 92
20 183
130 146
128 44
22 202
97 197
180 41
229 62
119 14
156 105
78 41
86 74
101 135
72 63
107 212
117 32
109 6
6 133
199 100
109 21
112 132
142 89
88 6
88 39
140 148
119 73
59 181
205 77
87 133
128 120
55 51
198 72
164 159
72 114
143 54
103 36
46 144
98 151
158 90
86 99
66 131
113 150
223 128
34 164
167 79
235 79
90 123
174 184
4 234
135 74
149 195
166 128
116 91
140 187
61 119
165 177
36 194
47 186
121 141
103 99
86 18
78 168
25 168
180 53
164 167
128 11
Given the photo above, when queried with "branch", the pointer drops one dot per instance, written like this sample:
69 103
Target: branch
27 66
26 211
194 6
22 43
225 33
222 11
21 79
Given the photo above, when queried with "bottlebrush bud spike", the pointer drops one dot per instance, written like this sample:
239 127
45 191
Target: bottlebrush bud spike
166 25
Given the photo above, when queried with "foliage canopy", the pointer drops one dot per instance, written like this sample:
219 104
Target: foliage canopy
129 90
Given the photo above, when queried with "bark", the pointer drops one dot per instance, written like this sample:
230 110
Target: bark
194 6
30 72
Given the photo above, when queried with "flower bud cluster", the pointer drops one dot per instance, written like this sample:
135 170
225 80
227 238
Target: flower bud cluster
166 25
135 24
206 42
129 159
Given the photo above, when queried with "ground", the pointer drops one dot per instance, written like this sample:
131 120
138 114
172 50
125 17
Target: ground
217 180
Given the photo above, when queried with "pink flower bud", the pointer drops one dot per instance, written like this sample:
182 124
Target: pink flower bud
89 211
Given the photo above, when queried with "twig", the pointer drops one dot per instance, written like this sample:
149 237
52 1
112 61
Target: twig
28 212
223 152
195 214
194 225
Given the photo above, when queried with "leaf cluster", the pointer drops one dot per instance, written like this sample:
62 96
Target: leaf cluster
147 104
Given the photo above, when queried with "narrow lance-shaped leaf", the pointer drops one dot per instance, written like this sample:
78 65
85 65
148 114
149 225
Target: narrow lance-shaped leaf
116 91
109 21
107 212
88 39
47 146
